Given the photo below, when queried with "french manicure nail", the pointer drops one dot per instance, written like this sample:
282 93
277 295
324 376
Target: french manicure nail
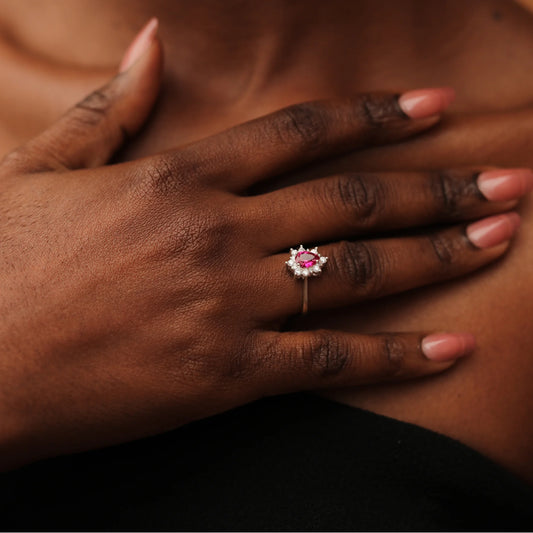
502 185
443 347
139 45
494 230
424 103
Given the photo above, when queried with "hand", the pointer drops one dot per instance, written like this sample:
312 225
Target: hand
141 296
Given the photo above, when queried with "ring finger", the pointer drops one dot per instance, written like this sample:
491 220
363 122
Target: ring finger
362 270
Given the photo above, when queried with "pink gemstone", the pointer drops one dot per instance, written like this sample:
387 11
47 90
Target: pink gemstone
306 259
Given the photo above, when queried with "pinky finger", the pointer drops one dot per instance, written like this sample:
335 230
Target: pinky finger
321 359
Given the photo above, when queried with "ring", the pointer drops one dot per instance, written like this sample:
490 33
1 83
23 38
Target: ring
304 264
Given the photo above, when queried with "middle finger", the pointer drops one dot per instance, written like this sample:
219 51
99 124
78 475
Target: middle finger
353 204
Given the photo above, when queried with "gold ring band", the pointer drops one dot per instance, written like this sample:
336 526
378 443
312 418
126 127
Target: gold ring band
305 263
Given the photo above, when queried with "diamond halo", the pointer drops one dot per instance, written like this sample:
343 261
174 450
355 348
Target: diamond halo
305 263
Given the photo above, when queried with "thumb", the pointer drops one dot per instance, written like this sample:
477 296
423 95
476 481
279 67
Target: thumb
90 132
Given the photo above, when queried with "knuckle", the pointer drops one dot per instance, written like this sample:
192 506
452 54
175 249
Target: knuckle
301 125
445 249
164 175
96 111
358 196
359 265
325 354
92 109
377 110
393 354
160 178
451 189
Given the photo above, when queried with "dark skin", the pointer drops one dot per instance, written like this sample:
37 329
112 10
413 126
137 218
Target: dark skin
485 401
150 301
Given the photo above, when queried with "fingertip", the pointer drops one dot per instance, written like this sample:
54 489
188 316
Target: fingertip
423 103
140 44
446 347
494 230
500 185
139 84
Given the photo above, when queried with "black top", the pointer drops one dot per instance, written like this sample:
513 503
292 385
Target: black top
291 463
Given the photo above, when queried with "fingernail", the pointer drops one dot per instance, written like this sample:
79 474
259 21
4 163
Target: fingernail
139 45
494 230
505 184
448 346
424 103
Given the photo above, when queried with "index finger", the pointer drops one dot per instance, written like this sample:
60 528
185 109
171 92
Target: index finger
300 134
